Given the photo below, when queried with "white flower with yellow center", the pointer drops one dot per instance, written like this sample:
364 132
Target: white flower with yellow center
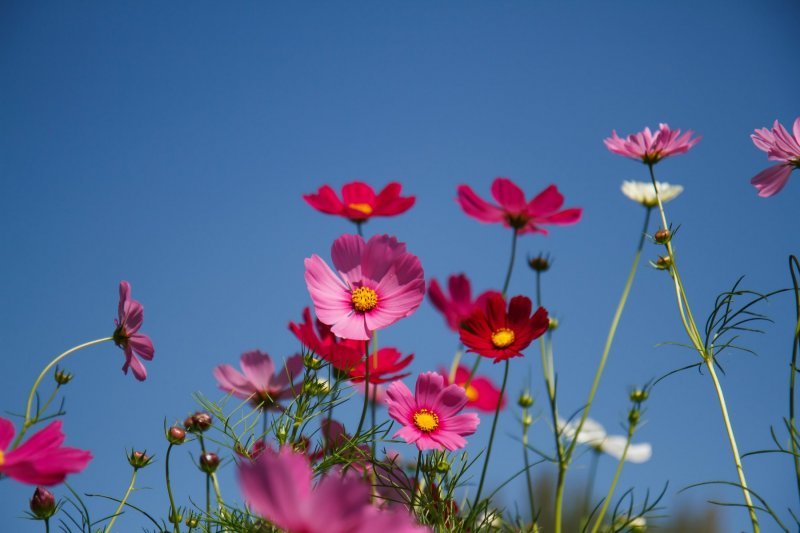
643 192
594 435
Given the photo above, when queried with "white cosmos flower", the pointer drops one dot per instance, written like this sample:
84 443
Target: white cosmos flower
594 435
643 193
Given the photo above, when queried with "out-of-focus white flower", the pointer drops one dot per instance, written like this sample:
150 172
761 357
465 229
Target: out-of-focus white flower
634 525
643 192
594 435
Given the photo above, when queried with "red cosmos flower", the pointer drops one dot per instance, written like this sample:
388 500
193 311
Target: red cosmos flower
460 305
381 364
343 354
482 394
359 201
514 211
499 334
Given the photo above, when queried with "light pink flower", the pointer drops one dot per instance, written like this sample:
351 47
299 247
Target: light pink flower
430 417
278 486
649 147
130 316
514 211
261 382
40 460
382 284
781 146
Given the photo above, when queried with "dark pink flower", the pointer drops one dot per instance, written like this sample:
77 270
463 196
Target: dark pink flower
382 284
343 354
129 319
514 211
382 366
459 305
40 460
261 382
781 146
482 394
430 417
650 147
279 487
359 201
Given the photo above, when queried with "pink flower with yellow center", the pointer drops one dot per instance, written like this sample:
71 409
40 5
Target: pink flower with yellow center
458 305
782 146
261 383
430 417
649 147
380 283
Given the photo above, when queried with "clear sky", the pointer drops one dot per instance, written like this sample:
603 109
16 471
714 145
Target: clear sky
169 144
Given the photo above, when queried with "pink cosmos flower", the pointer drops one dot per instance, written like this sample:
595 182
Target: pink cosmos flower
129 319
781 146
430 417
341 353
40 460
261 382
514 211
459 305
482 394
649 147
382 284
278 486
359 202
382 366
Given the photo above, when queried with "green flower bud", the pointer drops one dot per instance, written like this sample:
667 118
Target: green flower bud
62 377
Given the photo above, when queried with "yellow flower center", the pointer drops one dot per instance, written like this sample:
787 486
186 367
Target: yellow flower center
472 392
364 299
2 457
502 338
426 420
363 208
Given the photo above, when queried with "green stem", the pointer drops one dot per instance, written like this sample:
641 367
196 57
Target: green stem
28 421
217 492
592 475
366 386
528 480
173 511
510 262
46 525
416 481
456 361
607 500
122 502
491 436
793 264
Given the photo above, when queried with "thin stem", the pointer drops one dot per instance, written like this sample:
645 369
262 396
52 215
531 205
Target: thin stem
372 413
793 264
491 435
538 288
359 228
28 422
208 502
46 525
607 499
592 475
217 493
416 481
173 512
528 480
122 502
456 361
510 262
472 371
366 393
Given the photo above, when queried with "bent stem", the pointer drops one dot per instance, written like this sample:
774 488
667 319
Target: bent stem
28 421
366 383
123 501
173 516
491 436
794 265
607 499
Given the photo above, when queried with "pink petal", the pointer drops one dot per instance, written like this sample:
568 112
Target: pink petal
429 384
448 439
770 181
565 217
508 195
6 433
401 402
380 254
133 317
796 130
352 326
346 253
258 368
331 298
463 424
124 295
460 289
142 345
231 381
477 207
450 401
547 201
139 371
49 438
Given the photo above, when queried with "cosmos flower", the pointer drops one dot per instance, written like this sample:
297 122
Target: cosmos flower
495 333
459 305
482 394
343 354
514 212
261 382
126 335
430 418
382 284
40 460
359 201
594 435
650 148
780 146
278 486
643 192
381 366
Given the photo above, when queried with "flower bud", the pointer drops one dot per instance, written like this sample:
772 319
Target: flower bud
525 400
62 377
311 362
552 324
198 422
139 459
633 417
176 435
662 236
442 466
209 461
540 263
662 263
192 520
318 387
43 503
527 420
176 517
639 395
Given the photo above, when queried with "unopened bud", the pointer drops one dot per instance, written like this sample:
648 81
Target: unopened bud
43 503
527 420
662 263
176 435
552 324
62 377
639 395
209 461
662 236
198 422
311 362
633 417
525 400
139 459
176 517
540 263
442 466
192 521
317 387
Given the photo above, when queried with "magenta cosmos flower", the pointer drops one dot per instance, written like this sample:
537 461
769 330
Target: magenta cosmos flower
458 305
430 417
278 486
382 284
482 394
650 147
40 460
129 319
261 382
781 146
359 202
514 211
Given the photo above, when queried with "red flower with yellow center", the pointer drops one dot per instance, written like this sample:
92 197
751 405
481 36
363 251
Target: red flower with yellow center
359 202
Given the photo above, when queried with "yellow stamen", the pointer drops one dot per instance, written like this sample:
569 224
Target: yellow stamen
2 457
472 392
363 208
426 420
364 299
503 338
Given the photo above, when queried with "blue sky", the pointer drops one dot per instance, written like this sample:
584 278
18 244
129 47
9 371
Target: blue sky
170 145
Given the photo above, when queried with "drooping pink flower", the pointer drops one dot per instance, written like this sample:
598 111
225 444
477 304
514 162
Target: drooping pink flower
650 148
781 146
382 284
430 418
459 305
343 354
261 382
279 487
130 316
482 394
514 212
40 460
359 201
